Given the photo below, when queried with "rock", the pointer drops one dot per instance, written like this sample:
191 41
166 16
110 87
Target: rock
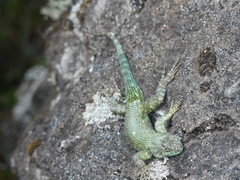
83 70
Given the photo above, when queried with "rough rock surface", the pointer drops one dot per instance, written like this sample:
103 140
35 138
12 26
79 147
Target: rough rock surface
65 140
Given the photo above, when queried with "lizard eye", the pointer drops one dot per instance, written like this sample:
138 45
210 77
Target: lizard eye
166 148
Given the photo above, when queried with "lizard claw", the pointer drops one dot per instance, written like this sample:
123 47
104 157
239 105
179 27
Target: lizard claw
145 171
170 75
174 69
175 106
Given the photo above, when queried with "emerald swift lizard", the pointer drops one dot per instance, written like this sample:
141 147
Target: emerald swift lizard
147 139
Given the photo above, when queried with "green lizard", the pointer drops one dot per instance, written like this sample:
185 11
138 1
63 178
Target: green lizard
148 141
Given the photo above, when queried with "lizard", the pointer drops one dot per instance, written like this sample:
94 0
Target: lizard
149 141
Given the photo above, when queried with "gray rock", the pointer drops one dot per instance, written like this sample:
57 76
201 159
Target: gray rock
66 140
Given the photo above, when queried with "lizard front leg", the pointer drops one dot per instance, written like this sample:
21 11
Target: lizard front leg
152 103
139 161
160 123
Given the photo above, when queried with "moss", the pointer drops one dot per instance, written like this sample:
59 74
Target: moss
32 146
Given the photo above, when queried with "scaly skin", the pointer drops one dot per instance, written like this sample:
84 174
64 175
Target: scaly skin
148 141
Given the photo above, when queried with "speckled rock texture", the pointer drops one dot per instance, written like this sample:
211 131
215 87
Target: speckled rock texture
61 143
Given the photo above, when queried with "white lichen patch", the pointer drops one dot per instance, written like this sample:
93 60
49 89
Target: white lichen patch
54 8
68 142
55 101
75 20
99 111
233 90
39 175
32 80
158 170
68 68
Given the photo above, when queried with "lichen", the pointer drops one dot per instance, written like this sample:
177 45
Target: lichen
54 8
158 170
67 67
32 80
99 111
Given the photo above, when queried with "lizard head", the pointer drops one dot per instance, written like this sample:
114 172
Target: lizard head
166 145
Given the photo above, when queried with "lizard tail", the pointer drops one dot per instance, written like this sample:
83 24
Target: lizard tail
133 91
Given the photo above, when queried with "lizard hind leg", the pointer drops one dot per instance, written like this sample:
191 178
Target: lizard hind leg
116 106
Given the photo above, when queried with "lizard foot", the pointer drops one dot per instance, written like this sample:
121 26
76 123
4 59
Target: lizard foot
175 106
170 75
145 172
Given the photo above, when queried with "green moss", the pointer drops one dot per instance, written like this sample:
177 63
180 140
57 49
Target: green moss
32 146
